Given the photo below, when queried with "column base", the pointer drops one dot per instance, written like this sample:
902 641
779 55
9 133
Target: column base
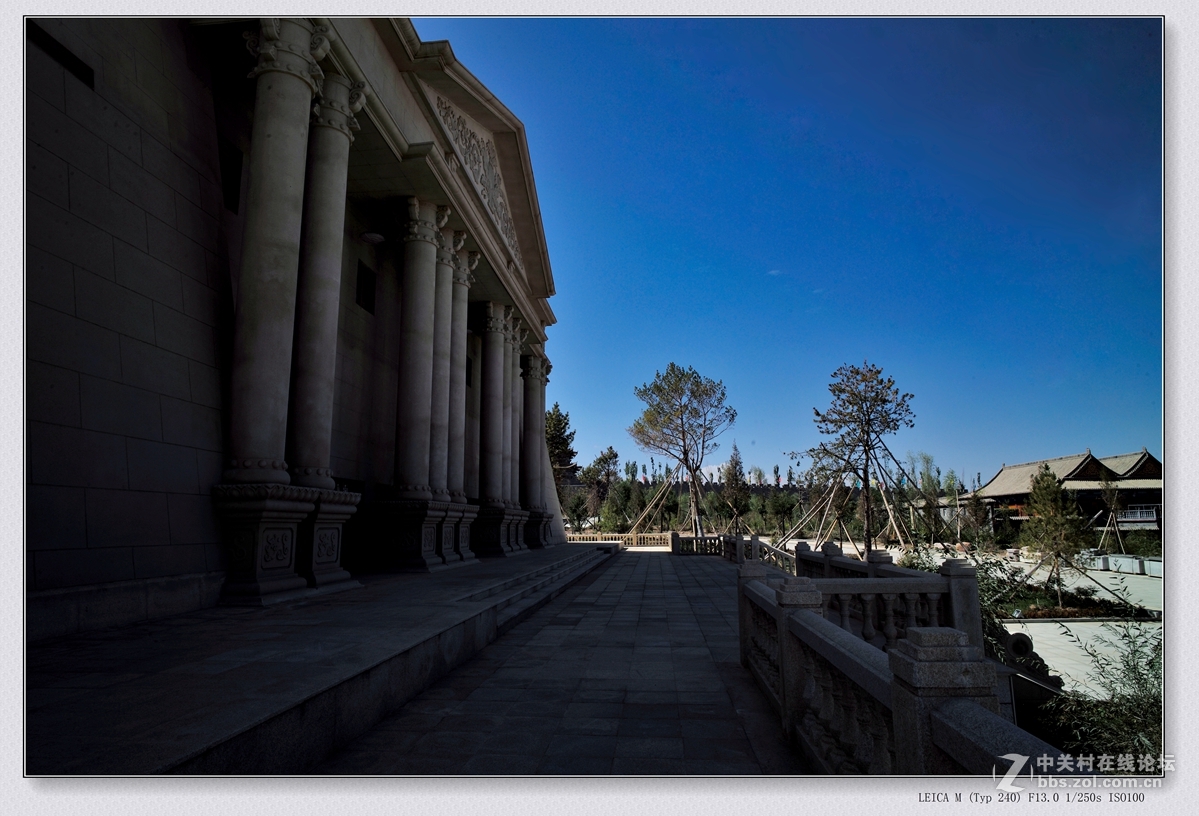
260 527
493 534
455 536
321 539
410 534
516 535
535 529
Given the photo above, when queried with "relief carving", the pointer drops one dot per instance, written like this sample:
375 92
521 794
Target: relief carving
482 163
327 541
276 547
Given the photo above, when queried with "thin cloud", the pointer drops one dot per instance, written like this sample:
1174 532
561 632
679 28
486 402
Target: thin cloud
774 272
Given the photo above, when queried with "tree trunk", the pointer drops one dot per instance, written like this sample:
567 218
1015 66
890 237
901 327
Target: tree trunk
866 506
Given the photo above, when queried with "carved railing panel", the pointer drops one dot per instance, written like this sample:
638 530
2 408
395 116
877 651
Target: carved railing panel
839 719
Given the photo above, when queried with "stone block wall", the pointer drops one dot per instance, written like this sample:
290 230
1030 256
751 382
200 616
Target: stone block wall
126 289
364 401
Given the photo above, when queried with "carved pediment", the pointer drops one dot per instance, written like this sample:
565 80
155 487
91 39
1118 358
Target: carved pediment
476 152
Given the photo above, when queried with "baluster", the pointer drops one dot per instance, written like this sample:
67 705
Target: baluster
934 608
889 631
911 609
867 616
827 602
843 606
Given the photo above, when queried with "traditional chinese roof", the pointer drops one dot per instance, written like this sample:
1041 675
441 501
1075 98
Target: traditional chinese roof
1080 471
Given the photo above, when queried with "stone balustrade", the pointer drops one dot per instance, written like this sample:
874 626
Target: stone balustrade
697 545
874 599
926 705
624 539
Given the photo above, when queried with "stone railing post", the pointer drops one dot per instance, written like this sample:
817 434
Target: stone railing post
966 615
795 595
748 572
931 666
676 544
873 559
830 551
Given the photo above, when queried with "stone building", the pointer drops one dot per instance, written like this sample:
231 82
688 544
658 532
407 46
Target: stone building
287 299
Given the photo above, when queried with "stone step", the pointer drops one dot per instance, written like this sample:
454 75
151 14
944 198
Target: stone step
500 586
516 607
272 691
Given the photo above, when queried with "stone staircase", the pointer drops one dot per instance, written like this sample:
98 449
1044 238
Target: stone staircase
273 691
517 598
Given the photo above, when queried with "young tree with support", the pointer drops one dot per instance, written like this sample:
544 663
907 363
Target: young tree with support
1054 526
865 407
684 414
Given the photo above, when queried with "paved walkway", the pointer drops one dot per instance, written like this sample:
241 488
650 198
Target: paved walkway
634 670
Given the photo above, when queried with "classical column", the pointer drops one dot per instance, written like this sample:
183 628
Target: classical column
315 353
543 504
439 424
533 436
456 475
260 511
287 76
474 405
518 413
319 290
510 324
415 387
552 531
491 421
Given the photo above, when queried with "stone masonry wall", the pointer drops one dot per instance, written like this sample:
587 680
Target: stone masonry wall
364 401
125 288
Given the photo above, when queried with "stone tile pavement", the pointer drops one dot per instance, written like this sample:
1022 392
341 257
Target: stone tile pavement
634 670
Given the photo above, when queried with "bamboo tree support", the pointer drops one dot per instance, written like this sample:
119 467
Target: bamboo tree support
849 538
657 499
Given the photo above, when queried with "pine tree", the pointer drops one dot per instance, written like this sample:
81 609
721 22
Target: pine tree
735 491
1053 526
684 414
559 438
865 407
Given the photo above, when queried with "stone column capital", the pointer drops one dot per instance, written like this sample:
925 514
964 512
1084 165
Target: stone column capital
462 275
443 215
419 229
459 241
337 102
496 324
472 260
445 251
533 368
290 45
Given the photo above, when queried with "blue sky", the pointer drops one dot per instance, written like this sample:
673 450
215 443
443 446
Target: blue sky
973 205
